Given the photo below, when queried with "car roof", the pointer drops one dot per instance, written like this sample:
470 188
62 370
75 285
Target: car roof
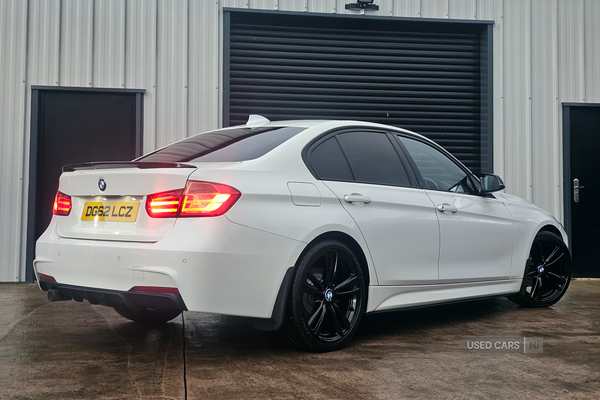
322 123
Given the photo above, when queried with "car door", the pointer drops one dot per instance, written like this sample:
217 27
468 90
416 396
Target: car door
476 231
365 171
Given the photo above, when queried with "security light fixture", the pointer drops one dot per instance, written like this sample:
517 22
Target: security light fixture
362 5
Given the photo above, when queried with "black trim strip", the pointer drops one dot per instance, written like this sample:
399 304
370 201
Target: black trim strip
123 164
111 298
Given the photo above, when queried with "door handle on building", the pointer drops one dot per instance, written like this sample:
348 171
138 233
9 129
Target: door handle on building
576 188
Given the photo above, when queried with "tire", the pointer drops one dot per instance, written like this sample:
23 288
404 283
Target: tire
547 272
327 298
146 315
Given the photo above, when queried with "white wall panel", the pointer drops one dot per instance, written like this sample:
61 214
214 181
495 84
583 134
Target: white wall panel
140 60
292 5
592 54
109 44
517 98
263 4
172 72
462 9
322 6
76 42
434 8
341 9
44 42
571 61
493 10
203 77
407 8
544 104
13 39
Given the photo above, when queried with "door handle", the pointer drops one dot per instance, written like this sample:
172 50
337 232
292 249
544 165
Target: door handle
356 198
447 207
576 188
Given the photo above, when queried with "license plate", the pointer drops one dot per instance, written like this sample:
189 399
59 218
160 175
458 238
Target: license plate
122 211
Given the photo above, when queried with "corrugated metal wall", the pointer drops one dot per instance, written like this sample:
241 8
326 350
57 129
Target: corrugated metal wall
546 52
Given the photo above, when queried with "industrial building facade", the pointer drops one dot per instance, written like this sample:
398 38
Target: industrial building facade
508 86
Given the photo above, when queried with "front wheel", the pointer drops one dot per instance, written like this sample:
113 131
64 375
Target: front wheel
547 272
327 300
146 315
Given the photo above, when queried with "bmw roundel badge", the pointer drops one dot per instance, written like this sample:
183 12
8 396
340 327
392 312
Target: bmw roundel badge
101 184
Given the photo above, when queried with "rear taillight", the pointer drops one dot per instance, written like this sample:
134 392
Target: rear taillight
62 204
164 204
197 199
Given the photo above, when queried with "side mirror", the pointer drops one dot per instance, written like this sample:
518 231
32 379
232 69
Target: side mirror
491 183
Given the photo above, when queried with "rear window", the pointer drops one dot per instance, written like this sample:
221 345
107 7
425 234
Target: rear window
231 145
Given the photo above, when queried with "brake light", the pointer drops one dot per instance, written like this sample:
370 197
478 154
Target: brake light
164 204
62 204
207 199
197 199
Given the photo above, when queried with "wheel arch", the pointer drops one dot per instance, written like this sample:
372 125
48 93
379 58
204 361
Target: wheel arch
556 231
348 241
276 320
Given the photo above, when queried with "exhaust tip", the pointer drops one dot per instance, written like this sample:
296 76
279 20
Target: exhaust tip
53 295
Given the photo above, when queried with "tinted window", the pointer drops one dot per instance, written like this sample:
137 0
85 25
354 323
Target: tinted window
438 171
373 158
239 144
329 162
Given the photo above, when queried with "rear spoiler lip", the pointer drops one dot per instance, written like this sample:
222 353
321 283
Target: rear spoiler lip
123 164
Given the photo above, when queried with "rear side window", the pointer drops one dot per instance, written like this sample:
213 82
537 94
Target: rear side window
240 144
373 159
329 162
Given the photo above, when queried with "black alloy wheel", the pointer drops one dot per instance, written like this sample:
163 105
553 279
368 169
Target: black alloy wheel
327 300
547 272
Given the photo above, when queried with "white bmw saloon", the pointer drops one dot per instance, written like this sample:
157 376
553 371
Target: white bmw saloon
303 226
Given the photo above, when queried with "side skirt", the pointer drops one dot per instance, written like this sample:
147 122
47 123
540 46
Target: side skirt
383 298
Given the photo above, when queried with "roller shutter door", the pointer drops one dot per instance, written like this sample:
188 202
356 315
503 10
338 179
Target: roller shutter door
426 77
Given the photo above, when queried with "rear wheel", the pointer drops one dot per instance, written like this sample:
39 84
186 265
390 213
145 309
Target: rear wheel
547 272
146 315
327 299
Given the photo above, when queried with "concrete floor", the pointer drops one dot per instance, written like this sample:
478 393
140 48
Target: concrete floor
69 350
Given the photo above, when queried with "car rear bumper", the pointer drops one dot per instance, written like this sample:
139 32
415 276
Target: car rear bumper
132 299
216 266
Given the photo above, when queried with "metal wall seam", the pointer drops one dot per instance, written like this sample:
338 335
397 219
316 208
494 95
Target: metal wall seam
544 110
592 55
140 61
13 39
76 42
109 44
